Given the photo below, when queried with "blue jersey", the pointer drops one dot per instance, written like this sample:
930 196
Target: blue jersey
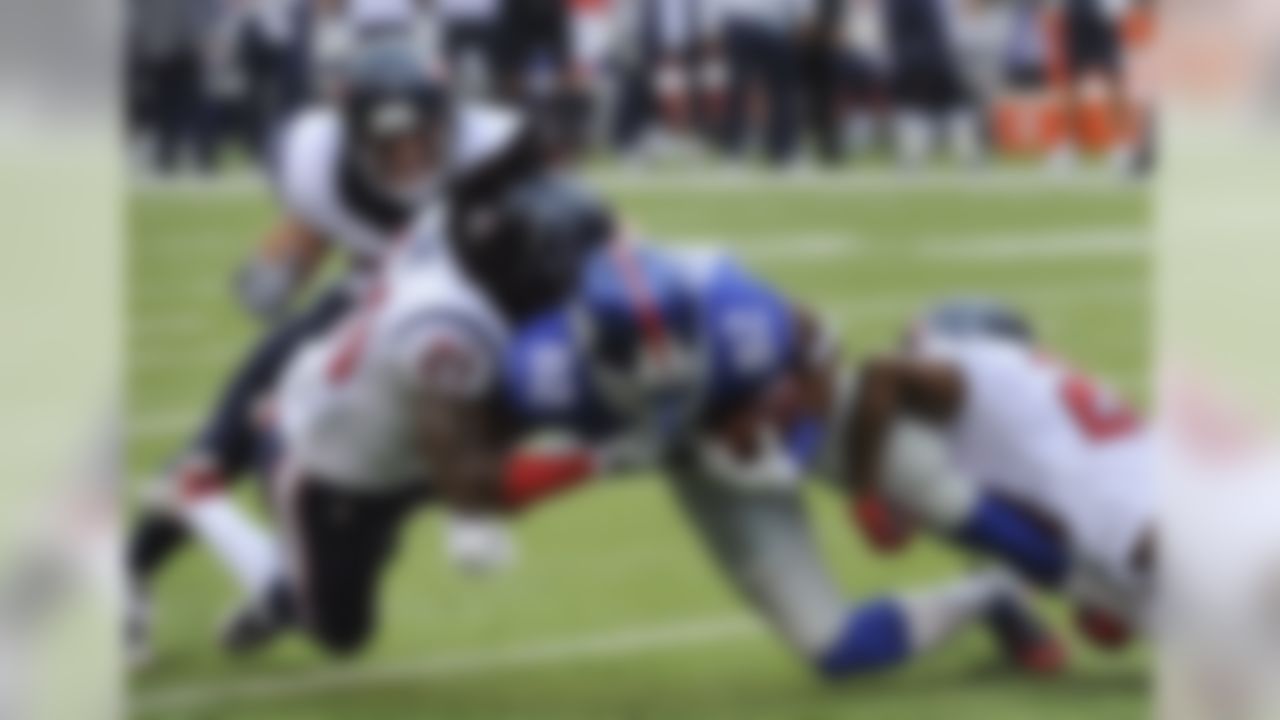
747 331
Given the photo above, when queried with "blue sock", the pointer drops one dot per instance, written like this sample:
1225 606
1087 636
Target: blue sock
875 637
1001 529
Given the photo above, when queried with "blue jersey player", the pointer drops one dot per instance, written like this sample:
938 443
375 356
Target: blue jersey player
685 359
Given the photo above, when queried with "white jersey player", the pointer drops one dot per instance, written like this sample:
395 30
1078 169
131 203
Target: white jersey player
1019 429
400 403
350 179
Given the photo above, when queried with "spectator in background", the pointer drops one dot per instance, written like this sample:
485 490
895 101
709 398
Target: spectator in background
1092 53
331 39
536 68
1026 50
470 32
226 117
170 37
760 41
272 52
980 34
930 93
659 104
864 72
821 60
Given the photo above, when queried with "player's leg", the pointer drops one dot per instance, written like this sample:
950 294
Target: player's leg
763 543
920 481
225 448
337 545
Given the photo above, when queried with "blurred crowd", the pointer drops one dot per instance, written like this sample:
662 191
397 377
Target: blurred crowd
784 82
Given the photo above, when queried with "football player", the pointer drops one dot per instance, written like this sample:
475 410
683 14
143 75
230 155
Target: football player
687 361
999 426
350 180
399 405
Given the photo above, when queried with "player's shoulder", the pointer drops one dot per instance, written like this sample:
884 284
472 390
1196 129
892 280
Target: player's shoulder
306 154
311 135
438 292
722 280
484 131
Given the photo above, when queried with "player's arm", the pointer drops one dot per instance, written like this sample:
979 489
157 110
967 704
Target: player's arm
536 473
447 370
762 445
889 389
287 259
898 461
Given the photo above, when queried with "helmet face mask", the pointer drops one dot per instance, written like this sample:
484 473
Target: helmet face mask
398 123
404 164
526 244
648 364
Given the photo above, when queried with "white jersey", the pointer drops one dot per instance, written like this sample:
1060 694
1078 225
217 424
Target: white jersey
309 173
1041 434
348 402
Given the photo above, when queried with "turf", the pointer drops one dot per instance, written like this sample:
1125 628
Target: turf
613 612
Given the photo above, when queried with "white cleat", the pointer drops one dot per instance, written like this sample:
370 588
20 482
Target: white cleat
252 627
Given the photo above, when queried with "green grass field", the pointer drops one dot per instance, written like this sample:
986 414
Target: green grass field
613 612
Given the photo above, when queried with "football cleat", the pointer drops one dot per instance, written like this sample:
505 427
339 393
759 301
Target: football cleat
1103 630
253 626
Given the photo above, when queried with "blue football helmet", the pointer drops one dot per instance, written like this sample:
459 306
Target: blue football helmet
977 317
639 321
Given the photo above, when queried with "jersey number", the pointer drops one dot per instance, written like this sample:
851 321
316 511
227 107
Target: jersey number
1097 412
355 336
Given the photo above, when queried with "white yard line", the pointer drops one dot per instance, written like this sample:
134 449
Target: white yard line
1009 181
1116 241
802 248
614 644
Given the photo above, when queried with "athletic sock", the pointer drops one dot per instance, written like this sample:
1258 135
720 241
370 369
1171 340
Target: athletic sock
933 616
154 540
244 547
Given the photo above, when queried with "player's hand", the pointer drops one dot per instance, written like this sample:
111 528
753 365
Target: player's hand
479 545
886 530
265 289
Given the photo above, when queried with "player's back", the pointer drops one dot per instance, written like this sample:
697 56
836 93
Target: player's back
348 402
746 340
1047 435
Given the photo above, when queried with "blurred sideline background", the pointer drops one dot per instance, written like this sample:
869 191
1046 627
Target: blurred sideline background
791 83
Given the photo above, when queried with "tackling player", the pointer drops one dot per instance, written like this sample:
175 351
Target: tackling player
350 179
686 360
399 406
999 425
